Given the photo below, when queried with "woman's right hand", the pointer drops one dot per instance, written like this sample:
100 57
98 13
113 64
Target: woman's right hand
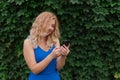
56 52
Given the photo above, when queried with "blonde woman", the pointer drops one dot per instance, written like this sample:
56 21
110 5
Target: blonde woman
41 49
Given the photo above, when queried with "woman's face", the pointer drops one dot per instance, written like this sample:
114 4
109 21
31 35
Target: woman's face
49 28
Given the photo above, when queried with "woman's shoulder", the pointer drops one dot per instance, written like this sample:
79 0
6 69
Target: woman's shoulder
27 42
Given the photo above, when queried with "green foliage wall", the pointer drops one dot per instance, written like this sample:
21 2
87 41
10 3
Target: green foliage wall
93 26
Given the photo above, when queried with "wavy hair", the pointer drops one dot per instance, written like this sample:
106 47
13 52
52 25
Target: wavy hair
41 22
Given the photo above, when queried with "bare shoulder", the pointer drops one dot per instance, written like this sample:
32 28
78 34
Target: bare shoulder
27 43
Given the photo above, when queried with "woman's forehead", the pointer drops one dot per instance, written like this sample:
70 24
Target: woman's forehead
52 21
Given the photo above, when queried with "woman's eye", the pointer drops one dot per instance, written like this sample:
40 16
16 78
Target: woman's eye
53 25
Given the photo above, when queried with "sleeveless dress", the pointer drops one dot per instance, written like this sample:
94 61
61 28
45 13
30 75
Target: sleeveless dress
50 72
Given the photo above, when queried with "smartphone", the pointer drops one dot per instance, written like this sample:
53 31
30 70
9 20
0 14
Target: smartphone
66 42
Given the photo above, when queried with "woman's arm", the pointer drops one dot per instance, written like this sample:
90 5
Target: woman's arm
61 59
60 62
28 53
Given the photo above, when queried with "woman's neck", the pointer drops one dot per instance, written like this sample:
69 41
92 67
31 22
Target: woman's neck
43 41
43 44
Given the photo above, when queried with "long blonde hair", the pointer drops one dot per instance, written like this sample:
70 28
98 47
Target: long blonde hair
43 20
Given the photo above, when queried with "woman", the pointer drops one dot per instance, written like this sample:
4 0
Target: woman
42 51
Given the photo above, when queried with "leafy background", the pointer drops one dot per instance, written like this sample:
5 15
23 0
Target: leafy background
93 26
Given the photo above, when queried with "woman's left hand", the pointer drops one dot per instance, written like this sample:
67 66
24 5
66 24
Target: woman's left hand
65 50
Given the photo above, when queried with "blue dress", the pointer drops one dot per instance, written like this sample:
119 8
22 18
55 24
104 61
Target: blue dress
50 72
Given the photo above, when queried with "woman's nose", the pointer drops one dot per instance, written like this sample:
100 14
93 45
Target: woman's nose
51 28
